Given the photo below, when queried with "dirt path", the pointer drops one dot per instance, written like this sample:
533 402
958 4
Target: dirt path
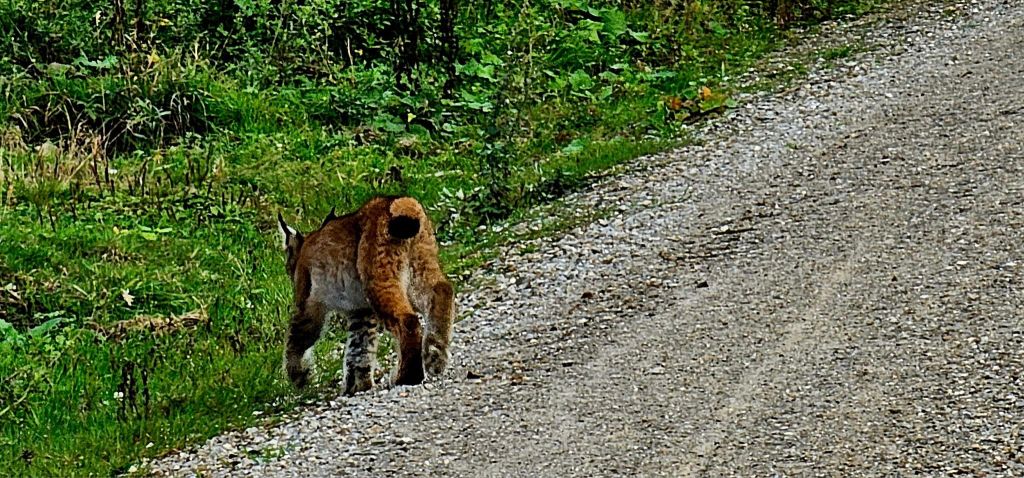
833 284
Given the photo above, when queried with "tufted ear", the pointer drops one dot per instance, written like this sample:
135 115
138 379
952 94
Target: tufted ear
330 217
289 235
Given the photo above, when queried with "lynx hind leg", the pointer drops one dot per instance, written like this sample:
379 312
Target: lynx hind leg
393 309
306 324
439 328
360 352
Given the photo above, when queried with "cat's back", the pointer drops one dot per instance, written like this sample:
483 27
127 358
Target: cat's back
329 255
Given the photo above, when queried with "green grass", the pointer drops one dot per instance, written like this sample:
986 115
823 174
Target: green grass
143 299
837 53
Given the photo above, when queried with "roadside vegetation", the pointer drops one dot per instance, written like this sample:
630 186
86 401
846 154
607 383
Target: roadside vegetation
146 146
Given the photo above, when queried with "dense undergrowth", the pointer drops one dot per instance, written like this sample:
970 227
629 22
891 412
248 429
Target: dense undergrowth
145 146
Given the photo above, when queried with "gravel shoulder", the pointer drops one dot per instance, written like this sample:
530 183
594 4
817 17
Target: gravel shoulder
829 284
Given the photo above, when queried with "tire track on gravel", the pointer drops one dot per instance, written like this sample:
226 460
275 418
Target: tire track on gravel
796 338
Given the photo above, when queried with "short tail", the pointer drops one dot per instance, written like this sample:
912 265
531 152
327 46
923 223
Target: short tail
406 217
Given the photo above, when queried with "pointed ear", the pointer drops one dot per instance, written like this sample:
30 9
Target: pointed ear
286 231
330 217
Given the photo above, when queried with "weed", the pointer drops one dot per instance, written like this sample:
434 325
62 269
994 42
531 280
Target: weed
837 53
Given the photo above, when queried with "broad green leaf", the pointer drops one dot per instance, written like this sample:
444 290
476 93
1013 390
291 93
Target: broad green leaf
486 72
641 37
392 127
109 62
7 331
718 29
576 145
476 102
590 30
43 328
614 22
419 130
581 80
491 59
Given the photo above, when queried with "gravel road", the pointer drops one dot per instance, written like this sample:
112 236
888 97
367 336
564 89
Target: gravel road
830 284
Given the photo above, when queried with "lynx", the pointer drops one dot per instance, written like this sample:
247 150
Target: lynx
377 265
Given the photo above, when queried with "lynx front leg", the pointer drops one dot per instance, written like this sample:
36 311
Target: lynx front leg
360 352
439 328
306 324
392 307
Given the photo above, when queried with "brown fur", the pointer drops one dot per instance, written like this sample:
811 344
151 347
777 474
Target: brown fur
377 265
